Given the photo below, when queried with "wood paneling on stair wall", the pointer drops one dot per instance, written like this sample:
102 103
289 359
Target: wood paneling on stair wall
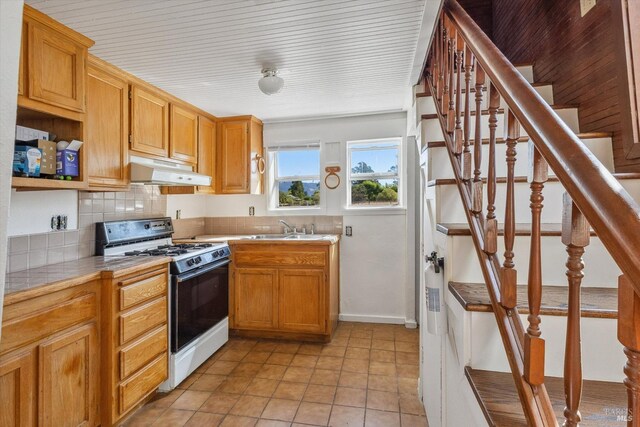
577 54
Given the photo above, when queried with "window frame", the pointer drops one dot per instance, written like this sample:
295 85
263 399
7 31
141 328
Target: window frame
274 180
391 142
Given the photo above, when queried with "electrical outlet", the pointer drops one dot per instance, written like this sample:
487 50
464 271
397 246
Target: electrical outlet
252 211
348 231
178 213
586 6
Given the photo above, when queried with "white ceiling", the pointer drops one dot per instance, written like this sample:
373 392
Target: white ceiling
337 56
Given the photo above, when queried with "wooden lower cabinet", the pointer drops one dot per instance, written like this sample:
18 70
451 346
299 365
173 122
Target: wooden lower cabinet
67 383
284 290
136 344
256 298
301 300
49 372
17 389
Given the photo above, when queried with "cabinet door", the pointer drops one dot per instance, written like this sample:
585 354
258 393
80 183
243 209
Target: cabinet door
56 68
234 157
107 128
184 134
149 123
68 378
207 152
17 390
301 300
255 292
23 57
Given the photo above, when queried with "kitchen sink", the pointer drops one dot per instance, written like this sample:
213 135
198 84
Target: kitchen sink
289 237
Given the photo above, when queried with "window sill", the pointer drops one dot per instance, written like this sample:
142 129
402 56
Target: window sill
296 211
397 210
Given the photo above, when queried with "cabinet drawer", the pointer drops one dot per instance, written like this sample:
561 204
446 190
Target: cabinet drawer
145 288
140 320
140 352
298 258
131 391
24 330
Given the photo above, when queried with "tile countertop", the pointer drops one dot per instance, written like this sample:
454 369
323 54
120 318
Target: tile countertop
248 238
21 285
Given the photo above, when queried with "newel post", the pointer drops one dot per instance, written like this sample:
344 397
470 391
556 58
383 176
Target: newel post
629 336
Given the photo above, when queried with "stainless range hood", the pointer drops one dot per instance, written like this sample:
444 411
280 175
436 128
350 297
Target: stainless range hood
158 172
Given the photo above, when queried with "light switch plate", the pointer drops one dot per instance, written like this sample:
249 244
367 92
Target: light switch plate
586 6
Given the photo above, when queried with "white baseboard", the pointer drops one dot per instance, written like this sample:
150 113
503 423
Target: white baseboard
410 323
372 319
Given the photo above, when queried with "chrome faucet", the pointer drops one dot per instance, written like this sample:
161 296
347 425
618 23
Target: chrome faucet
287 228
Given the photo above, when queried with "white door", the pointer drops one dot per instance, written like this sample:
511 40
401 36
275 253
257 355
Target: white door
431 346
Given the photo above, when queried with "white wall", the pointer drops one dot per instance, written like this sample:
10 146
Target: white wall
31 211
375 283
190 206
10 32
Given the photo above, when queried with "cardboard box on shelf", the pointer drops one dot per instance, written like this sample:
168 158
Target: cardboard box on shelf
48 149
26 161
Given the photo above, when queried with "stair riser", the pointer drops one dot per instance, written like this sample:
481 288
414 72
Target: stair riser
462 266
603 364
425 104
440 167
431 130
450 209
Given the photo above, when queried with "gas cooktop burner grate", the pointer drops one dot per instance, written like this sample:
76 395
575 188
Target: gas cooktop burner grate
170 250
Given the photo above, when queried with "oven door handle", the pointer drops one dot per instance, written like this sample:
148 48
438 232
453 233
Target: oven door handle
191 274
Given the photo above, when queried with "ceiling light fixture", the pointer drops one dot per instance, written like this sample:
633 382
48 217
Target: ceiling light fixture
270 83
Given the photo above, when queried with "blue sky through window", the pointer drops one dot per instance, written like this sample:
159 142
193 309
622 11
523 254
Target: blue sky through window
299 162
379 160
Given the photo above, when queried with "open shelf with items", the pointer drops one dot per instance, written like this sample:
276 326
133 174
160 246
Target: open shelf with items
65 129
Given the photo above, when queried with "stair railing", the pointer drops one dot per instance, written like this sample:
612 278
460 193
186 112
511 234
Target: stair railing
460 60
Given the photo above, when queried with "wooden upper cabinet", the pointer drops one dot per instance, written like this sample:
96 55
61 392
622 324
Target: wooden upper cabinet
207 152
68 384
149 123
240 150
56 62
184 134
23 57
107 127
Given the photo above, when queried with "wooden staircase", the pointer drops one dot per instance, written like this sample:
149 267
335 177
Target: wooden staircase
556 232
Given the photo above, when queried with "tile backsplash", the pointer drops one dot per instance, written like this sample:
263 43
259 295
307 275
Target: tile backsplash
254 225
36 250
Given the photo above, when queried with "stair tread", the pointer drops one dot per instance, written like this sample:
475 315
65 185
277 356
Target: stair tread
485 141
503 179
601 403
596 302
522 229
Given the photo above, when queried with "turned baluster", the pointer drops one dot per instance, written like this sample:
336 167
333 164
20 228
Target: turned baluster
508 274
629 336
491 223
440 59
445 70
476 188
458 130
575 236
533 344
466 153
452 89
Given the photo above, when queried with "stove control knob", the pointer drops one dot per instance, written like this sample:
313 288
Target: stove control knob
220 252
190 262
197 260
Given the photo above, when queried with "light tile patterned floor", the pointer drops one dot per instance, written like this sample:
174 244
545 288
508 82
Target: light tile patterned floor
367 376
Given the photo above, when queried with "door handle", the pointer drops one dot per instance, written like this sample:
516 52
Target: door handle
437 262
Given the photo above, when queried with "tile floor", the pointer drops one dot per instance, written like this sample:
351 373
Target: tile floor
367 376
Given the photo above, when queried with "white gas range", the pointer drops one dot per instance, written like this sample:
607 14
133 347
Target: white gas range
199 289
